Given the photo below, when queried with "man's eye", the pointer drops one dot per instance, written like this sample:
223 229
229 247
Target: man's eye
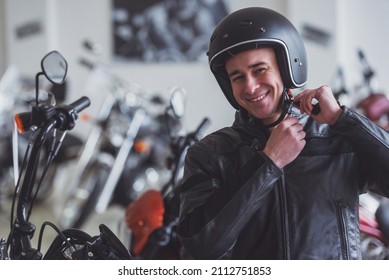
260 70
236 78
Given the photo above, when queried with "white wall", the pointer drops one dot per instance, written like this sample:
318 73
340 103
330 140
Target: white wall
322 16
69 22
25 52
2 38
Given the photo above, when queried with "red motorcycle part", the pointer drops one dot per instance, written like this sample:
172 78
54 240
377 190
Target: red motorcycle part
369 225
143 216
375 106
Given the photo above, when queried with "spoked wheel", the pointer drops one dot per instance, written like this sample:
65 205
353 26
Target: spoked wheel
80 204
64 250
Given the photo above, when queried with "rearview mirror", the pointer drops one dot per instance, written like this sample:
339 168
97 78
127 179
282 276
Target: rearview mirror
54 67
177 101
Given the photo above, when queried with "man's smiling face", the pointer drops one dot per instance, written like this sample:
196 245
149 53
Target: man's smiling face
256 83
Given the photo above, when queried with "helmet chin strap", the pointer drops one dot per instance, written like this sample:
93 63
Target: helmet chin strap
286 106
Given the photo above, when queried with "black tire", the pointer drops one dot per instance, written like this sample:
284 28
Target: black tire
78 208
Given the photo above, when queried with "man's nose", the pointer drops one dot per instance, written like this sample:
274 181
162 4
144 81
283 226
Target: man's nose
252 85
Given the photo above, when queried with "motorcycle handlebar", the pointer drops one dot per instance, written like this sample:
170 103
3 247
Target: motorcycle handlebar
368 72
80 104
202 126
86 63
64 119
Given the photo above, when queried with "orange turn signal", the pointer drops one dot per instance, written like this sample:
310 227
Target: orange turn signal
22 121
141 146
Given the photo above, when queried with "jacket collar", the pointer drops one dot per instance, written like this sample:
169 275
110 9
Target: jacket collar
243 121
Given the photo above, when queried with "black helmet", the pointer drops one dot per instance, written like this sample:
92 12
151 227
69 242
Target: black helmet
252 28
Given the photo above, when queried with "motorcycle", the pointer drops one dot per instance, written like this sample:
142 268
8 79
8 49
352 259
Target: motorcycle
44 121
129 138
375 106
373 208
151 221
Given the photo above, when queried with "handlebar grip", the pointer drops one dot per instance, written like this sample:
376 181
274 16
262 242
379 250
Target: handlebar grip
203 125
80 104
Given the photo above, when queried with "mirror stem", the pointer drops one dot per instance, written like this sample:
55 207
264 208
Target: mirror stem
37 87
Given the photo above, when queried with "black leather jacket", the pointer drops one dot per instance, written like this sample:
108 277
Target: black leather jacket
236 203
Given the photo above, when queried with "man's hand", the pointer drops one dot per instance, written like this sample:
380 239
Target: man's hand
330 110
286 142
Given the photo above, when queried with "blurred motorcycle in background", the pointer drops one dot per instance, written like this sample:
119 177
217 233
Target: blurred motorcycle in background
125 151
149 227
15 95
9 87
375 105
373 208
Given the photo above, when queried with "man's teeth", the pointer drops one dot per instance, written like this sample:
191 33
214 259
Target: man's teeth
258 98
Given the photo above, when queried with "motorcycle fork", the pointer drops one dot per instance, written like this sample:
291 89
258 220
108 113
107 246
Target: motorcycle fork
120 161
92 142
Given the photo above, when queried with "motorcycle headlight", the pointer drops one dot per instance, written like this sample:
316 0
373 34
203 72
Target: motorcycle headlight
151 178
117 127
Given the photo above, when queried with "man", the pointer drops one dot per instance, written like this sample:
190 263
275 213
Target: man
282 182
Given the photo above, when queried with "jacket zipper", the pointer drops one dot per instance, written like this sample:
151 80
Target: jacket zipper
282 197
343 231
284 220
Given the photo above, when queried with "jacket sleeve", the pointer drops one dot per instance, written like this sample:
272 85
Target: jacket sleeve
371 142
213 212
